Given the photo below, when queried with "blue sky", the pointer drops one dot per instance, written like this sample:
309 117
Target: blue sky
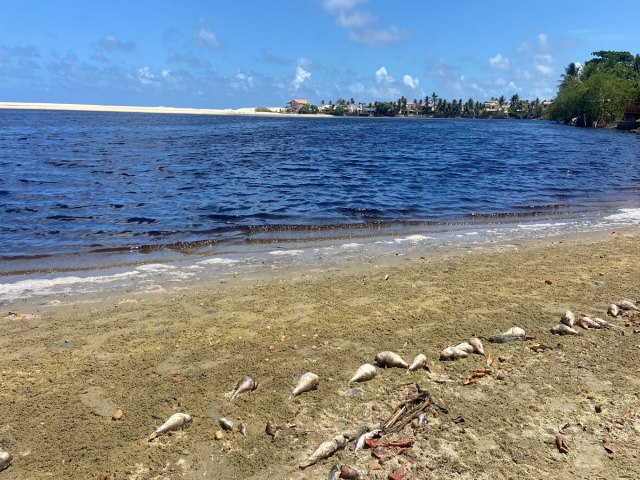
219 54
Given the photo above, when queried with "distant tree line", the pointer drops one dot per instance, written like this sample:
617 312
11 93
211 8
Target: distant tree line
594 95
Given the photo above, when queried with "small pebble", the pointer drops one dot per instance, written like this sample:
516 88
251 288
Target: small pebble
219 435
117 415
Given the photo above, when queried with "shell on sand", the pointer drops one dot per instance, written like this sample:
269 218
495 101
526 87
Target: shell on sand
476 343
419 362
627 305
562 329
390 359
176 421
465 347
325 450
568 318
308 381
452 353
245 384
614 311
5 459
364 373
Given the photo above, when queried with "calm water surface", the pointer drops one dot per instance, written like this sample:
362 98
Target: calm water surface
77 183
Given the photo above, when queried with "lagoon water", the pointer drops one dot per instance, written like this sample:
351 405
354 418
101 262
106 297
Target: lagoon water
81 189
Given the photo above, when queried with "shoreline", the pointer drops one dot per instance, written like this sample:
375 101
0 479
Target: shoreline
68 368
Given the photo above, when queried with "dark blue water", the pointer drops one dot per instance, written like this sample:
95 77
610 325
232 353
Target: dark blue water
77 182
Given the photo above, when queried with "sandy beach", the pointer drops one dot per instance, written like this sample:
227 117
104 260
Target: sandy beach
279 111
66 370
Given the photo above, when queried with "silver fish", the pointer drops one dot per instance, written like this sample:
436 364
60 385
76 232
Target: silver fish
419 362
5 459
390 359
308 381
614 311
568 318
177 421
627 305
365 373
325 450
562 329
465 347
362 438
514 333
602 323
452 353
226 424
476 343
334 473
245 384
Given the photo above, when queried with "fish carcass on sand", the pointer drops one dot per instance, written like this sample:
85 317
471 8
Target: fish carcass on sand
365 373
452 353
5 459
419 362
476 343
245 384
325 450
514 333
177 421
568 318
308 381
562 329
390 359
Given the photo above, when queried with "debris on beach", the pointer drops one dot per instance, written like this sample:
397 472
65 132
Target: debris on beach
562 329
390 359
361 441
245 384
365 373
325 450
242 428
476 343
561 444
5 459
18 316
346 472
271 430
476 375
308 381
226 424
627 305
568 318
419 362
513 334
453 353
410 409
177 421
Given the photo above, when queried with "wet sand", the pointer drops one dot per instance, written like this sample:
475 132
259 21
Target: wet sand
66 370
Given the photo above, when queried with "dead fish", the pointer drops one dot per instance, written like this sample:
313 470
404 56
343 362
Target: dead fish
627 305
177 421
365 373
514 333
562 329
364 437
419 362
5 459
242 428
614 311
390 359
271 430
245 384
602 323
334 473
325 450
465 347
308 381
568 318
476 343
452 353
226 424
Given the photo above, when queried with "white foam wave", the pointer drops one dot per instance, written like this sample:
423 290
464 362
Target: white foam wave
630 215
413 239
351 245
155 267
286 252
541 226
218 261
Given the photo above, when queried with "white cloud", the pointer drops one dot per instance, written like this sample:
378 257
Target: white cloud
499 62
382 76
205 37
333 5
355 19
411 82
112 42
146 77
543 40
242 82
379 37
301 76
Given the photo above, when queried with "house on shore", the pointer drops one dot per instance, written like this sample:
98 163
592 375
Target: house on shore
296 104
